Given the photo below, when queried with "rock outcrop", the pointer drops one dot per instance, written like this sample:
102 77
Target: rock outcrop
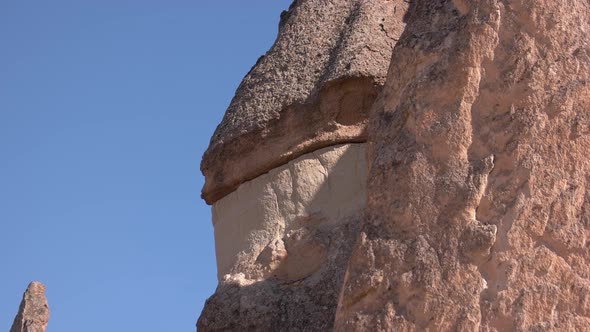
283 240
260 226
478 194
33 313
474 212
314 88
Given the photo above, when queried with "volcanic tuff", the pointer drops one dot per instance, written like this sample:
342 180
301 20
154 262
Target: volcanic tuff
474 201
312 89
33 313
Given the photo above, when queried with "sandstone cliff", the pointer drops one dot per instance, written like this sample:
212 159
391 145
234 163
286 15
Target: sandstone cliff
33 313
473 207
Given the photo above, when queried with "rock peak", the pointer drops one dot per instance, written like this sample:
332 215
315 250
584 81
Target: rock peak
33 313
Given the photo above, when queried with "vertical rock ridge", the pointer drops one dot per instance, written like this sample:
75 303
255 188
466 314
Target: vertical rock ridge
420 232
456 239
33 313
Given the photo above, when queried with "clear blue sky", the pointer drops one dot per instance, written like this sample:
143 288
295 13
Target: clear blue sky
106 108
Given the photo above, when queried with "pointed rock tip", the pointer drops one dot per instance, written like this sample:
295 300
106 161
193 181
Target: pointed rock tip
33 313
36 287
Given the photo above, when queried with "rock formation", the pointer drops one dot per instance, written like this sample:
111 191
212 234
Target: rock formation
33 313
314 88
473 205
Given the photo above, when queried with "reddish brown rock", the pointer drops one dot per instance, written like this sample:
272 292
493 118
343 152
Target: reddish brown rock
477 194
33 313
478 189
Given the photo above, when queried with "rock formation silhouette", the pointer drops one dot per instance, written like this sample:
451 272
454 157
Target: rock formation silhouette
33 313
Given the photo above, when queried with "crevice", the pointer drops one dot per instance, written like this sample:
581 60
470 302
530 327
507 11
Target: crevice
483 170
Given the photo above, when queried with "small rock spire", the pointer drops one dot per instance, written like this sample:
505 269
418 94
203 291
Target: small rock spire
33 313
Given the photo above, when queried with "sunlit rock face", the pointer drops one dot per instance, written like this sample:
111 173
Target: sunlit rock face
266 227
474 213
314 88
285 169
33 313
478 194
283 240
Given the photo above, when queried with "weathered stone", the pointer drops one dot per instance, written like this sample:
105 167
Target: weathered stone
255 226
33 313
477 200
453 238
282 241
314 88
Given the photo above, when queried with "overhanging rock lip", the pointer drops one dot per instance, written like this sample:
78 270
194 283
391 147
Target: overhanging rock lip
211 193
327 58
338 115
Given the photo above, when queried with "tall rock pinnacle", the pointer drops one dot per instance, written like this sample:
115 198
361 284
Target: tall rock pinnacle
426 169
33 313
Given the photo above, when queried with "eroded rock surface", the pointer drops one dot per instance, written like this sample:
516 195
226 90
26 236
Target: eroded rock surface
33 313
478 190
477 193
313 88
282 242
257 227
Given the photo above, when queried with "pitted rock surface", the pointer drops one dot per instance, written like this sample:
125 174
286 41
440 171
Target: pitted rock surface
282 241
33 313
314 88
477 200
478 191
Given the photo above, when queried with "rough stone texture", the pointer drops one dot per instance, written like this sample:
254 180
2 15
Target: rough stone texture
33 313
255 225
312 89
282 242
477 197
478 208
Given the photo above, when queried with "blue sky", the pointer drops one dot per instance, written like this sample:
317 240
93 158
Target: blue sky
106 108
